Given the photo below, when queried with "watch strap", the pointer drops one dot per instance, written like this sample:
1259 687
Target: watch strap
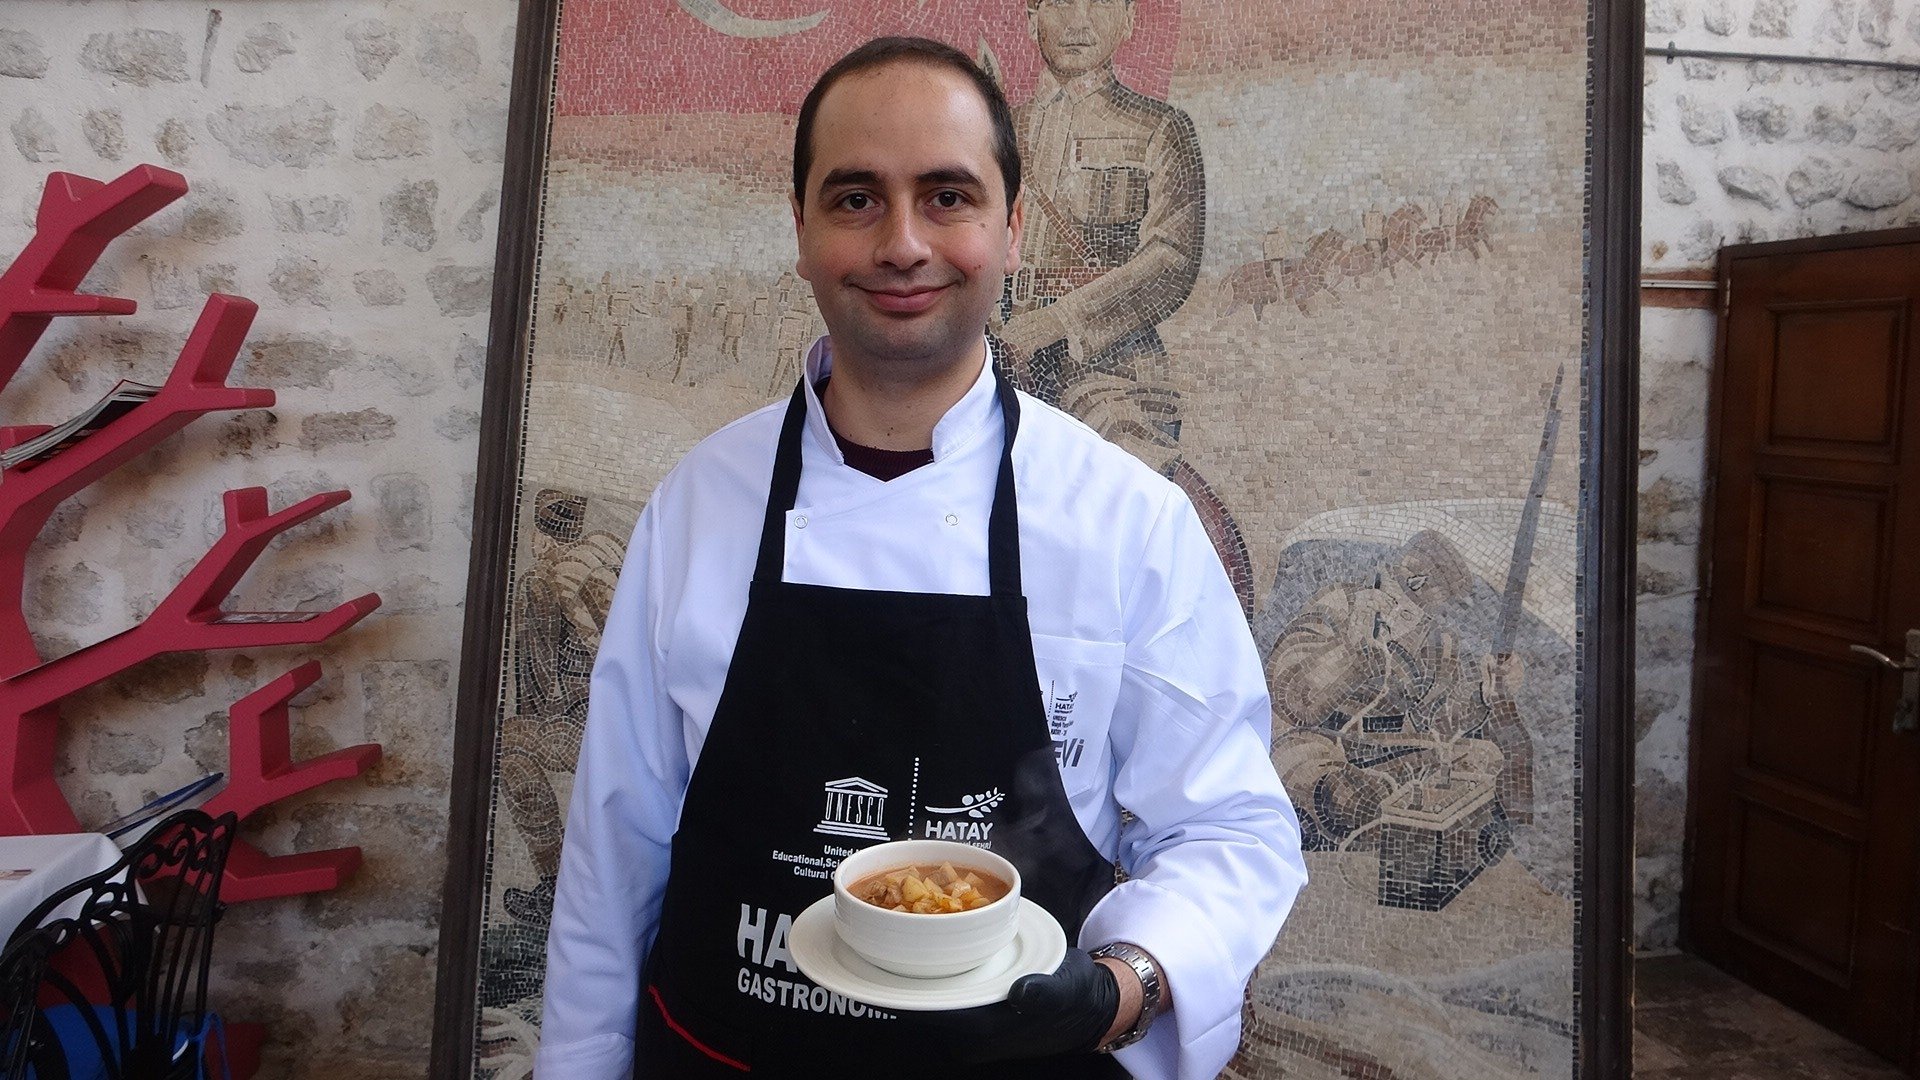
1152 990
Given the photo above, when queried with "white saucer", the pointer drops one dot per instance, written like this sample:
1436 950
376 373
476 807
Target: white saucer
1038 946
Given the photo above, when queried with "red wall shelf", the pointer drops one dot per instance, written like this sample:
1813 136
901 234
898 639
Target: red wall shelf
78 218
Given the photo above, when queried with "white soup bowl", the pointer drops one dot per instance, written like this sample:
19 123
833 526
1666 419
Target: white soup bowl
924 946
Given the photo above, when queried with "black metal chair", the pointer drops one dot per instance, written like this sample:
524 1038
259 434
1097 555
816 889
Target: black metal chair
131 976
28 1046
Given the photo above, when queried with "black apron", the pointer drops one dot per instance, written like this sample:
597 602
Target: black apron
851 717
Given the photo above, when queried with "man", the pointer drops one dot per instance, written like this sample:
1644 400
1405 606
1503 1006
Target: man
877 623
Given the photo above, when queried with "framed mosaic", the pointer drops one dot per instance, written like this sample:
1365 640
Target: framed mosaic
1358 275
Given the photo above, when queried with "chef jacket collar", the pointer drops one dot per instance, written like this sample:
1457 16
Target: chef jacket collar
967 420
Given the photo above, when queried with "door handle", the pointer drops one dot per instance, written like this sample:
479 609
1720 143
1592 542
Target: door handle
1906 712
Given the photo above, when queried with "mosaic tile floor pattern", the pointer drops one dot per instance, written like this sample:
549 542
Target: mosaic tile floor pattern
1693 1020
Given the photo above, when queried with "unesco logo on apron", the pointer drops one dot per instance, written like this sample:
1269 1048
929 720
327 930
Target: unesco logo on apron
856 807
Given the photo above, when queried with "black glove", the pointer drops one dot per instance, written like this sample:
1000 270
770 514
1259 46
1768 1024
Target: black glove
1065 1012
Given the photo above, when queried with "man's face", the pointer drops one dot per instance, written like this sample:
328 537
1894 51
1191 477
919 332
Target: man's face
1076 36
905 233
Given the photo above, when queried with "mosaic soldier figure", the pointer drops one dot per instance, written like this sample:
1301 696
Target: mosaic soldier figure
1116 222
1374 711
1117 206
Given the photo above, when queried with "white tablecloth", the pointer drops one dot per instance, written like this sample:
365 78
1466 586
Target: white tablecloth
33 867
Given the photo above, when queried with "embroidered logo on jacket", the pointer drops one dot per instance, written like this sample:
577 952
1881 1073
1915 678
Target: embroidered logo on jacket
1066 748
1066 752
1059 710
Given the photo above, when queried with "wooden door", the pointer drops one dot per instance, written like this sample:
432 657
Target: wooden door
1802 868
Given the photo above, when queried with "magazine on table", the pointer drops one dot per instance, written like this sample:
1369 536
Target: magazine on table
49 444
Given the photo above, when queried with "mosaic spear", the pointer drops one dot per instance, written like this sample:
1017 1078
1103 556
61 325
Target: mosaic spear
1516 591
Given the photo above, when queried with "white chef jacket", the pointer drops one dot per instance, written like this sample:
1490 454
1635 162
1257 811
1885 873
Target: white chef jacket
1142 652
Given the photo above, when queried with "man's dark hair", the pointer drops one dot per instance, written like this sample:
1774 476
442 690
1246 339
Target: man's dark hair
888 50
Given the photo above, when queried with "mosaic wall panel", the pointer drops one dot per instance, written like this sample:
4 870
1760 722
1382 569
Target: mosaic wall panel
1320 264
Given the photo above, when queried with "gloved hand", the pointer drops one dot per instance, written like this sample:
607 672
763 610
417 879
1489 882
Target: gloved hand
1065 1012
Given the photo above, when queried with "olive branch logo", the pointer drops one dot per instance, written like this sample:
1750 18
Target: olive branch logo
974 806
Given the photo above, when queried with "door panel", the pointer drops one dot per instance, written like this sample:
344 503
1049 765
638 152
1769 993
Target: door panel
1795 691
1854 345
1771 903
1804 816
1807 523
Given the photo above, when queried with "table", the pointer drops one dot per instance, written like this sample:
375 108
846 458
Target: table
32 868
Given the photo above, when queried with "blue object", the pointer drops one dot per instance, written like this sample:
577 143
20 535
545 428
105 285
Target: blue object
83 1051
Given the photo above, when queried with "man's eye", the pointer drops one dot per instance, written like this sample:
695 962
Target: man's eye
856 201
947 200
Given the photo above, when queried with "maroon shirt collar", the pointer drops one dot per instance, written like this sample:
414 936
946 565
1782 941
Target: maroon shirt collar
877 463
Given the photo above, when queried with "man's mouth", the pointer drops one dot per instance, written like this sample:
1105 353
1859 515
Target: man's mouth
906 301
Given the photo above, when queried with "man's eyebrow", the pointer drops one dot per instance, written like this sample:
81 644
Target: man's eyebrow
958 175
850 178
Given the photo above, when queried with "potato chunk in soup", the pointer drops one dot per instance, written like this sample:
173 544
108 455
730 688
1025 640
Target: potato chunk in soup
930 890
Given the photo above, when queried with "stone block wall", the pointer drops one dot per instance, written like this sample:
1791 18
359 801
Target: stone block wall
1738 152
345 163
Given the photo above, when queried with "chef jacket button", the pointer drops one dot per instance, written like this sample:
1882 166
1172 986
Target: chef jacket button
800 522
952 519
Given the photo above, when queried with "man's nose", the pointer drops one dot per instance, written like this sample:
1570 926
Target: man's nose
901 242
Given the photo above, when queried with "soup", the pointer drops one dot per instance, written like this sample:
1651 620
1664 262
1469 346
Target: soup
930 890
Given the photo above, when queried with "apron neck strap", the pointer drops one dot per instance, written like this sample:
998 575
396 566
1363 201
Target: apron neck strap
1003 526
783 490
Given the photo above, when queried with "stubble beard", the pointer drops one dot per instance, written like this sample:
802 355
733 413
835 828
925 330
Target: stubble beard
906 352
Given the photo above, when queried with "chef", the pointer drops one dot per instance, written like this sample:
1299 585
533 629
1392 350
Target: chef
912 602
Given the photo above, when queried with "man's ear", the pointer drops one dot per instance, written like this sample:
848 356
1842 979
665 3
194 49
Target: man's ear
1016 226
1126 30
1033 22
799 224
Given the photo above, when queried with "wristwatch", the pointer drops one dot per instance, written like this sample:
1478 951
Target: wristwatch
1151 987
